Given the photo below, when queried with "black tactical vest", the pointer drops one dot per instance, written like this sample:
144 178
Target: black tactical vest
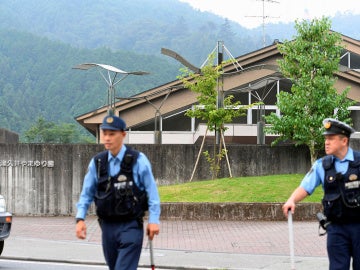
341 200
118 198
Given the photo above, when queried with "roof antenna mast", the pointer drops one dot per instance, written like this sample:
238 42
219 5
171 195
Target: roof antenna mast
264 16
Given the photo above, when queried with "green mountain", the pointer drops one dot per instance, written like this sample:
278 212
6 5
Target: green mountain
37 79
42 40
140 26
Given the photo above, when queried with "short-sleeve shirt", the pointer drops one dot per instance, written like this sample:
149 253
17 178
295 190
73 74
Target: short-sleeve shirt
316 175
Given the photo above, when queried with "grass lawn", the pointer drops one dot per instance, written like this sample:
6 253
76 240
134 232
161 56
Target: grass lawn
272 188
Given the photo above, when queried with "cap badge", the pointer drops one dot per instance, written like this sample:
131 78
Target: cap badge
109 120
353 177
327 125
122 178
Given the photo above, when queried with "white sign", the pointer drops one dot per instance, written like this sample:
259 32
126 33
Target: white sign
27 163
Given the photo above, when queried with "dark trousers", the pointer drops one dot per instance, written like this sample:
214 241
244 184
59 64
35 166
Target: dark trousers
122 243
343 244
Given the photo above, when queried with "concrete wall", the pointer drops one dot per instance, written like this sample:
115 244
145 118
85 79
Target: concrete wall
175 163
43 179
46 179
7 136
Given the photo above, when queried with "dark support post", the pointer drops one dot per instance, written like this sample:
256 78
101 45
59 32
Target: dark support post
220 96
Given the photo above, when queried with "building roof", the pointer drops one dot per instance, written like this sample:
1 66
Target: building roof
247 72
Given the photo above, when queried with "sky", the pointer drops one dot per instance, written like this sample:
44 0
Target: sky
253 13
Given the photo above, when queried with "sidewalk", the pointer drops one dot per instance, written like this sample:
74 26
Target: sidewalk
180 244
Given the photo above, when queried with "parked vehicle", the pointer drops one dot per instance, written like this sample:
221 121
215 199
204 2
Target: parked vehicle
5 223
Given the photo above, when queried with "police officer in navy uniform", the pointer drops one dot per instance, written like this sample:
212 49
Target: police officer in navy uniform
121 183
339 174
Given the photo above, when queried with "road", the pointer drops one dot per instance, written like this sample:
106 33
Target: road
6 264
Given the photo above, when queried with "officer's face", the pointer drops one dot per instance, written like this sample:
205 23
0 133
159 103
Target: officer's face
336 145
113 140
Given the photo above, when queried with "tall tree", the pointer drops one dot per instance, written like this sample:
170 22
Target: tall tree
310 62
226 33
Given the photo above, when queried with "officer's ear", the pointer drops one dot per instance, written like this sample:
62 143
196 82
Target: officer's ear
343 137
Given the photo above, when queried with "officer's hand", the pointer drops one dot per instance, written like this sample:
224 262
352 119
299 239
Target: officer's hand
288 206
81 229
151 230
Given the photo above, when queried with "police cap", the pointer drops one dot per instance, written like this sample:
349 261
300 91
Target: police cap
333 126
112 122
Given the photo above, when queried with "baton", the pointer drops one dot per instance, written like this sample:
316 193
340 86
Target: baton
151 255
291 240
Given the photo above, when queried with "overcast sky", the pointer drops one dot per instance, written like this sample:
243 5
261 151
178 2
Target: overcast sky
252 13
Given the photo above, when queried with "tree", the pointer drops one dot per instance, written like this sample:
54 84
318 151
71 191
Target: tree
40 132
49 132
309 61
226 33
207 85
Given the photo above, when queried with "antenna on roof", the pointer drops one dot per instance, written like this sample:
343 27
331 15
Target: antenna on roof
264 16
221 48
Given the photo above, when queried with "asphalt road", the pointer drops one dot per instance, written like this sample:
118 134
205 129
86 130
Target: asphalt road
38 265
6 264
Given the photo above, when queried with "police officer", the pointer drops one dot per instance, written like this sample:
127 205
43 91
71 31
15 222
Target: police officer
339 174
121 197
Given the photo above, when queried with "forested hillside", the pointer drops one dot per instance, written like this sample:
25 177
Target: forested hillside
140 26
37 79
41 40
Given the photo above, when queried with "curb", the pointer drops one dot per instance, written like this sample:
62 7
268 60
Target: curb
236 211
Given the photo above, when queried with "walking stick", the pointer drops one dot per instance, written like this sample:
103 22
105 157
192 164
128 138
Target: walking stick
151 256
291 240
